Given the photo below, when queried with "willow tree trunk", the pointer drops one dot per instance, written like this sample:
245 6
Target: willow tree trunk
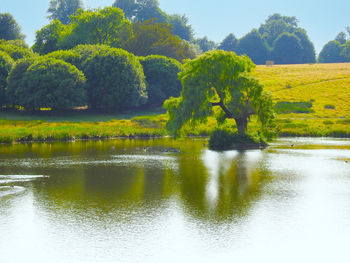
242 124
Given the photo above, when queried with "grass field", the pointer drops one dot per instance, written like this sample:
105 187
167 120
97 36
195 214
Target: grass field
321 91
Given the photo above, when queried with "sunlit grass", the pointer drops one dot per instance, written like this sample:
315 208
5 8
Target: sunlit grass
325 86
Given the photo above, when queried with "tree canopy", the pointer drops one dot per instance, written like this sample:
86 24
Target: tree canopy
63 9
51 83
161 78
152 38
141 10
220 79
6 63
205 44
332 53
115 79
254 46
16 49
181 26
287 49
230 43
9 28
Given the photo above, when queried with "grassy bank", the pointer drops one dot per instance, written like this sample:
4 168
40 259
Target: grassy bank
312 100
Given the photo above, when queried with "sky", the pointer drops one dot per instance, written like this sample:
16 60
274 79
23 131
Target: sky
322 19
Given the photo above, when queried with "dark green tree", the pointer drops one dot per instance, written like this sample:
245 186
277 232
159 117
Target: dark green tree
309 54
68 56
181 27
106 26
115 80
6 63
287 49
161 78
152 38
51 83
332 53
205 44
47 38
230 43
220 79
63 9
141 10
254 46
15 81
9 29
341 38
14 50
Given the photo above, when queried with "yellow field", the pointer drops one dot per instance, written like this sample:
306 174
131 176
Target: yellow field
322 84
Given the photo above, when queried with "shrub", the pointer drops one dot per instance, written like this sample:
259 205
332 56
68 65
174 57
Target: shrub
161 78
224 140
68 56
6 63
115 79
51 83
329 106
293 107
15 80
14 51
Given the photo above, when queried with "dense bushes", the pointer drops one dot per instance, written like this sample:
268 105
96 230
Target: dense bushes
115 80
161 77
14 50
5 66
51 83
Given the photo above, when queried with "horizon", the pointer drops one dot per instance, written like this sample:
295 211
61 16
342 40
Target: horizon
222 23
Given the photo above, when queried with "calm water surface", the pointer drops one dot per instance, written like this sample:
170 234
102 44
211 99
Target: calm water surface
130 201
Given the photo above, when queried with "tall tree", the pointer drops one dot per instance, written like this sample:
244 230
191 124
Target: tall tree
332 53
152 38
205 44
230 43
341 38
254 46
220 79
9 29
6 63
181 27
106 26
309 54
287 49
63 9
141 10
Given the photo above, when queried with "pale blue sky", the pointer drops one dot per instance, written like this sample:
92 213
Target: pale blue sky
216 19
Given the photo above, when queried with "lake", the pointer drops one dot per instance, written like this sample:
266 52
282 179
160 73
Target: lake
175 201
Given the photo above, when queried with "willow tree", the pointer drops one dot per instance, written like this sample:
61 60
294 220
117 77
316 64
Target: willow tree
222 80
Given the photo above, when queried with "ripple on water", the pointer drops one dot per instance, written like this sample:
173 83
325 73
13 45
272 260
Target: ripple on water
7 187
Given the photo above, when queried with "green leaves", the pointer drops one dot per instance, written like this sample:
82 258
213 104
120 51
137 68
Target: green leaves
219 79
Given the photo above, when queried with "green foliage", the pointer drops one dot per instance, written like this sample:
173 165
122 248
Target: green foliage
47 38
101 26
230 43
68 56
141 10
221 140
15 80
6 63
15 49
115 79
220 79
341 38
287 49
9 29
205 44
51 83
308 49
63 9
332 53
151 38
285 107
181 27
161 78
254 46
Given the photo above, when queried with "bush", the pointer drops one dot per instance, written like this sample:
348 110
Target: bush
51 83
68 56
293 107
15 80
15 51
115 79
161 78
6 63
221 140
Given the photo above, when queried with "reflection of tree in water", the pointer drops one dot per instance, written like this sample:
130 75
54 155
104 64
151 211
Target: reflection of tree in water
222 185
